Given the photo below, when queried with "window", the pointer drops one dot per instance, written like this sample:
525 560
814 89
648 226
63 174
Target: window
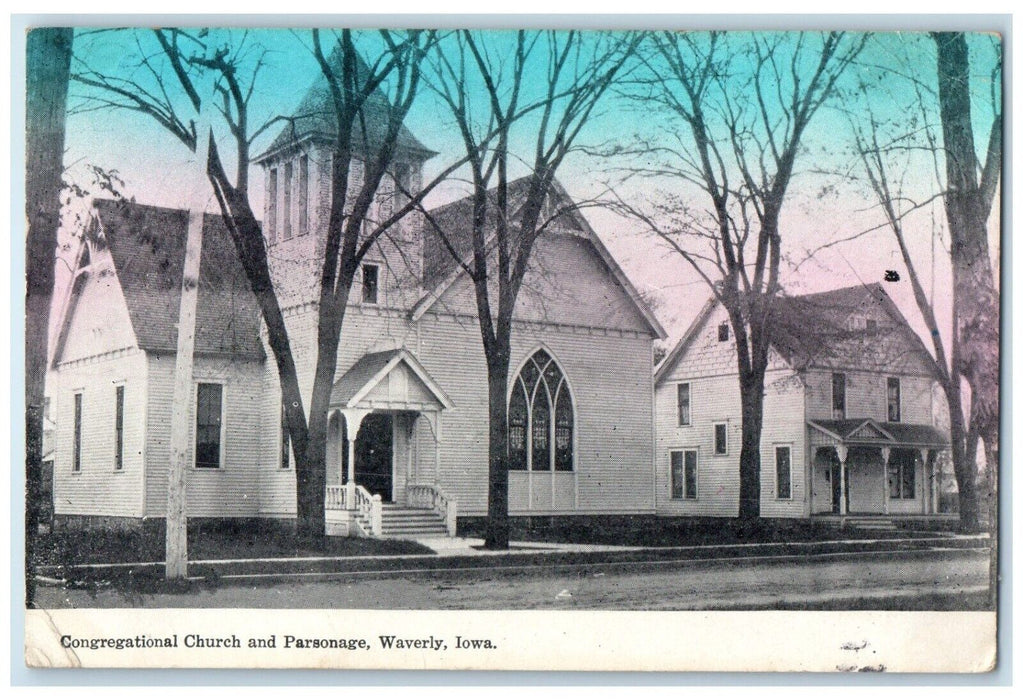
783 471
271 213
683 474
541 420
285 440
370 283
722 332
119 427
838 396
208 422
303 195
894 400
721 438
871 325
286 208
684 414
76 445
902 474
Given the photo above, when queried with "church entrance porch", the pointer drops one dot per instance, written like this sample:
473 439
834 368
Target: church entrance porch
382 448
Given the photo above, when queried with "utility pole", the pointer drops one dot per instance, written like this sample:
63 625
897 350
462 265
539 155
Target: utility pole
181 414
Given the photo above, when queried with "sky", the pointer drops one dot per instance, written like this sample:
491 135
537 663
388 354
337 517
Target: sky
826 204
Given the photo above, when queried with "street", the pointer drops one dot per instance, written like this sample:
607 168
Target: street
765 582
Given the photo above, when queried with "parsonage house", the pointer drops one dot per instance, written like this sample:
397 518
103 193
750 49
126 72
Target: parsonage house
407 447
849 413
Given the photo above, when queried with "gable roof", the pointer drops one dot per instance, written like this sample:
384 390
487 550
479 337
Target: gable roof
441 269
370 369
147 246
813 330
872 432
314 118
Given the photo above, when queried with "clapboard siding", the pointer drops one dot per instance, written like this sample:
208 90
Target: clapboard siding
866 395
99 322
567 283
716 400
233 489
610 377
100 489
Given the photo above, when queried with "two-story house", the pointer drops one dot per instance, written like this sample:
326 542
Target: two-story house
408 410
848 422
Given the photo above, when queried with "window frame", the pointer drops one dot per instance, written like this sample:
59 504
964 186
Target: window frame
287 231
285 441
897 383
845 387
271 214
119 427
689 404
78 418
898 468
553 394
303 194
720 453
223 425
683 494
724 332
777 472
376 301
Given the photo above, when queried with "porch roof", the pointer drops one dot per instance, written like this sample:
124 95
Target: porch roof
866 431
364 383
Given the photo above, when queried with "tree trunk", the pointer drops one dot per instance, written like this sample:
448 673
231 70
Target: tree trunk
973 283
48 61
964 462
497 493
752 399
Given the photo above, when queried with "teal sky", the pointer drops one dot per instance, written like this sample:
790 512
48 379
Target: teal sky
824 205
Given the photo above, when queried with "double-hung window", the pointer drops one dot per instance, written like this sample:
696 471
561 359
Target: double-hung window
894 400
684 473
209 420
783 471
685 416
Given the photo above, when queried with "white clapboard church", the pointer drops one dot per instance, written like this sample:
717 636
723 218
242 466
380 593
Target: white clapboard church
408 410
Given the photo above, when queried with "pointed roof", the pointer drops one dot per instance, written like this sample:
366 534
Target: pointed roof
866 431
147 246
314 118
817 330
371 369
441 269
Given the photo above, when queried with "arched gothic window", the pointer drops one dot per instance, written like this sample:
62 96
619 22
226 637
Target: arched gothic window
540 417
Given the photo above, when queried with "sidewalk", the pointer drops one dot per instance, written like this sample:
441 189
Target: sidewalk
467 554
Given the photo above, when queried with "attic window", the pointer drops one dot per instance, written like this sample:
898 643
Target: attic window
723 333
871 325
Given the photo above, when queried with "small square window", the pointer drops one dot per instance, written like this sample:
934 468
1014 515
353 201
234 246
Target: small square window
370 284
721 438
723 332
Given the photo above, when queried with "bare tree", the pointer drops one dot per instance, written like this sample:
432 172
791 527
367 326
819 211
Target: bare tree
381 89
742 104
47 67
558 78
902 137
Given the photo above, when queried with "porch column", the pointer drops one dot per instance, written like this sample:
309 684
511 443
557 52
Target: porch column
353 419
927 494
935 483
886 453
843 454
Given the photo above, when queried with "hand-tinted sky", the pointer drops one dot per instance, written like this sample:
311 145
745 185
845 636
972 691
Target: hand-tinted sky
827 200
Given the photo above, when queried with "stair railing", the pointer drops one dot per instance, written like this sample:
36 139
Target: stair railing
430 496
371 509
336 498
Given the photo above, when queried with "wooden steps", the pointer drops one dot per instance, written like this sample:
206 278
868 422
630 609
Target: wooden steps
400 522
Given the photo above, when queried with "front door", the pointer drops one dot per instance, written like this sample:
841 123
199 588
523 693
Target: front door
374 455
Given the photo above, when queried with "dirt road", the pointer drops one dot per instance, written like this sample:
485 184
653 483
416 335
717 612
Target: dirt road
728 584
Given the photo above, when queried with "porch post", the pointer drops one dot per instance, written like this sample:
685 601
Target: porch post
843 454
935 483
353 419
886 453
927 495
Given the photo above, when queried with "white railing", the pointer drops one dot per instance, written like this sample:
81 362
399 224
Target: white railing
430 496
336 498
371 510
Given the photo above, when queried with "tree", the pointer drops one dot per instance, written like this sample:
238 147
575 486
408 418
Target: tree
365 91
741 105
561 77
900 137
48 60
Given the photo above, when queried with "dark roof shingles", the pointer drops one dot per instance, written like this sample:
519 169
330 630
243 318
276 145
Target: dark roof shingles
147 244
